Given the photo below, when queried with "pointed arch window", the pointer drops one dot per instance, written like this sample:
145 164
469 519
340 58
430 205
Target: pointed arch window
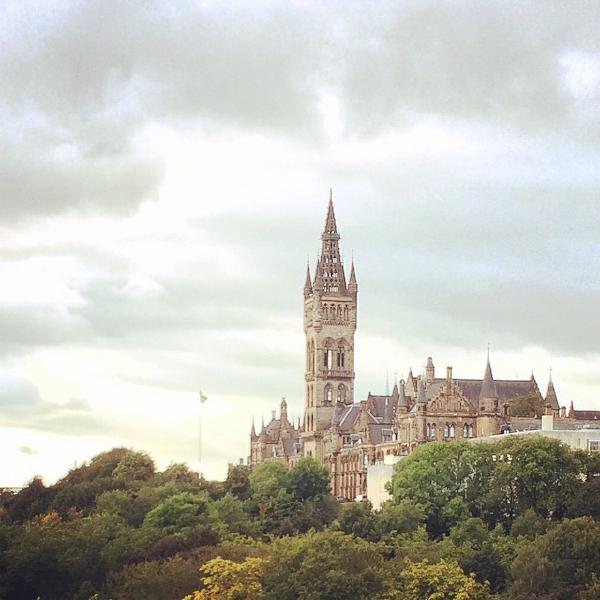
452 431
328 394
446 430
340 357
465 430
341 393
428 431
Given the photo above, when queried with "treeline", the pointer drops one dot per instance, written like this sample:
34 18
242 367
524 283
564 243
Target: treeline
513 520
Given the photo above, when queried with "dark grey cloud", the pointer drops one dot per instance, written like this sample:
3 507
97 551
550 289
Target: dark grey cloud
81 80
21 405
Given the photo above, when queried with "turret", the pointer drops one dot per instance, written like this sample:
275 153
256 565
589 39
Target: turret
430 371
488 397
307 285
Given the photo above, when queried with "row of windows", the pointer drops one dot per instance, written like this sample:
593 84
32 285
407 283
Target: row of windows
333 312
449 431
328 394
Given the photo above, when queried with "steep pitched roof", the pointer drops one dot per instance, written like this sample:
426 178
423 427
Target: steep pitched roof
488 385
551 397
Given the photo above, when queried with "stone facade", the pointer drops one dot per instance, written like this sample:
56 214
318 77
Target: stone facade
348 436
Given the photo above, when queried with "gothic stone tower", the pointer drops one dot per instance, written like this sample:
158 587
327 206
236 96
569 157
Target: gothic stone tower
330 307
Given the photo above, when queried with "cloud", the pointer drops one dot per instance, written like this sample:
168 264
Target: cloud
21 405
28 450
82 91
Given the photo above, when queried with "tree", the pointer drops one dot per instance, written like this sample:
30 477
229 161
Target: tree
444 580
231 518
238 481
134 466
34 499
357 518
531 405
179 512
400 518
435 477
326 565
559 564
308 479
228 580
267 479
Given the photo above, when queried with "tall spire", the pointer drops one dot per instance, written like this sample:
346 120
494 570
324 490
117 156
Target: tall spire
330 224
488 385
329 276
253 430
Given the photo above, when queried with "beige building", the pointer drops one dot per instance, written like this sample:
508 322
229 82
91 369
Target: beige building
349 436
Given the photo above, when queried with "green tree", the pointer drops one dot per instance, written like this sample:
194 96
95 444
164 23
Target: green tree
403 517
559 564
531 405
238 481
437 476
267 479
308 479
327 565
180 512
358 518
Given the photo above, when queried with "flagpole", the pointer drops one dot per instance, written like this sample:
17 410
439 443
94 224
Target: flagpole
203 399
200 435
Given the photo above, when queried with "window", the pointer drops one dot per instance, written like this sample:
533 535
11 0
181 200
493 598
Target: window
341 393
465 430
594 445
433 431
446 430
452 431
428 431
328 394
340 357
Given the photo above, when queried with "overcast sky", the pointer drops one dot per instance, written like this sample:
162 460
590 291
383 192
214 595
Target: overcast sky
164 174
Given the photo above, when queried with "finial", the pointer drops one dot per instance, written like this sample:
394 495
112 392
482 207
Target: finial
330 194
488 352
550 374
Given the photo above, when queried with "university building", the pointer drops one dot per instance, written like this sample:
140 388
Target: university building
349 436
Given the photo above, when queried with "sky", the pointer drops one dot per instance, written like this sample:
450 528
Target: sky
164 176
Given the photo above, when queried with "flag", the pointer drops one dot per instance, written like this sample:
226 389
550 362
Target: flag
203 398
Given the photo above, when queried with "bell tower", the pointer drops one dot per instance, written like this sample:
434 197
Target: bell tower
330 316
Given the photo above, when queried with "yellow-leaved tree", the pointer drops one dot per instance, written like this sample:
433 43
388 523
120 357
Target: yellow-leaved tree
228 580
444 580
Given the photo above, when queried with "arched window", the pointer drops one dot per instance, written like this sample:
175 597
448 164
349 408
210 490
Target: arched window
325 311
341 393
465 430
340 357
446 430
328 393
428 431
452 430
339 313
433 431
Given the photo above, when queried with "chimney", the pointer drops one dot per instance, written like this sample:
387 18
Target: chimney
448 379
547 422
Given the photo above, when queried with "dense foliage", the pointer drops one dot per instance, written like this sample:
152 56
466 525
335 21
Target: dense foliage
515 520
